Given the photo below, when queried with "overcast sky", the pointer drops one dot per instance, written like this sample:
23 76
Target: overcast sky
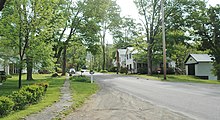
128 8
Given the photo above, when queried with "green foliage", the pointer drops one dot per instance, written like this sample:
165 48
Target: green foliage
80 79
36 93
113 69
51 95
81 90
28 95
104 71
6 106
123 70
142 70
207 29
20 99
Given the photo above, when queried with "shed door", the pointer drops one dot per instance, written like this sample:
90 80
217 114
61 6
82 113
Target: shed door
191 69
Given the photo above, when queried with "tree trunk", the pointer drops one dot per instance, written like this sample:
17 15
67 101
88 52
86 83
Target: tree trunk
103 50
29 68
149 60
2 2
64 61
20 74
103 53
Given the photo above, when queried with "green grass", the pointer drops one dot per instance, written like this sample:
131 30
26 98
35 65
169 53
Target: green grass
82 89
179 78
52 94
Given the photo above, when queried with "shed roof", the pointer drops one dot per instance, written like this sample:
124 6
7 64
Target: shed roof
200 57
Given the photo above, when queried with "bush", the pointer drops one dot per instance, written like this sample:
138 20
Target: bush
113 69
142 70
123 70
103 71
20 99
6 106
36 91
45 85
59 70
55 75
80 79
8 76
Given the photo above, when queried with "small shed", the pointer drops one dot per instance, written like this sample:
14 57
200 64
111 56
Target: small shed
200 65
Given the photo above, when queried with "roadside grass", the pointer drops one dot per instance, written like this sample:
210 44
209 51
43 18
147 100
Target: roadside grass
82 89
51 96
179 78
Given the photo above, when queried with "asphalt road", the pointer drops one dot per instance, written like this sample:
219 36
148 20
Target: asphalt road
197 101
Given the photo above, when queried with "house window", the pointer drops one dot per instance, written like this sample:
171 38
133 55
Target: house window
130 55
130 67
127 56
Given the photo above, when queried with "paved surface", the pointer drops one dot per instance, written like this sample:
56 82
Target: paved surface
112 104
198 101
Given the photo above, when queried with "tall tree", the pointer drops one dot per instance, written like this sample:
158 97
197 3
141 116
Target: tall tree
25 28
150 10
109 23
177 18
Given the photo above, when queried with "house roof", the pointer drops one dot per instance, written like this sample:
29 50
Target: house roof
132 50
200 57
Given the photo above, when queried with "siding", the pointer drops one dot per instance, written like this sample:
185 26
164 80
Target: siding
204 69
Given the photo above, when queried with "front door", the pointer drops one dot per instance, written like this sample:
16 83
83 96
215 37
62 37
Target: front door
191 69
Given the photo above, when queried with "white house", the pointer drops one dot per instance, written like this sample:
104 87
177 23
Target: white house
200 65
121 57
132 64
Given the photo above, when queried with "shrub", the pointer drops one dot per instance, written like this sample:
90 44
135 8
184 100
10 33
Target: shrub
123 70
36 91
59 70
6 106
8 76
55 75
142 70
113 69
80 79
20 99
103 71
45 85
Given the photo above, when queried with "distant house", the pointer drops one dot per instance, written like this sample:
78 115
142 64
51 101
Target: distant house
133 65
200 65
121 57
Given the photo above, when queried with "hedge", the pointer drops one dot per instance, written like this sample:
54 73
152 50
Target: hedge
18 100
6 105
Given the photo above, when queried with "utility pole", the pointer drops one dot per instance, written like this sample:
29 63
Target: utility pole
164 43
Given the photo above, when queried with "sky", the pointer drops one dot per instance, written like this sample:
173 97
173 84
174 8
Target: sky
128 8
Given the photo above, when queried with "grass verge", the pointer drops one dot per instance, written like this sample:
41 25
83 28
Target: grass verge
179 78
82 89
52 94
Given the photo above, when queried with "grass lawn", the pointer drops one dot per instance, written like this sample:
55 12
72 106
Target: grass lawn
52 94
82 89
179 78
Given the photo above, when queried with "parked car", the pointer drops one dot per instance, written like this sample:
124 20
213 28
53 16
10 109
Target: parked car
72 71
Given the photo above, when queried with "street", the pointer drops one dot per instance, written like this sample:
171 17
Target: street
197 101
125 97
